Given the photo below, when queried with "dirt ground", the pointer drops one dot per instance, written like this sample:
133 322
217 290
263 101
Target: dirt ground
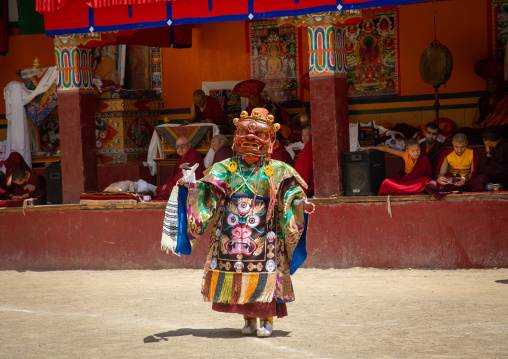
347 313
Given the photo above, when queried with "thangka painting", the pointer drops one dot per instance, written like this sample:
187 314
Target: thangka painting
274 59
372 56
500 28
109 66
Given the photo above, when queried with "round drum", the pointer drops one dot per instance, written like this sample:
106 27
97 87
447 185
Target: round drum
436 65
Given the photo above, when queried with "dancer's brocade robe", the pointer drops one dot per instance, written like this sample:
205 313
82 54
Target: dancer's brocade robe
250 259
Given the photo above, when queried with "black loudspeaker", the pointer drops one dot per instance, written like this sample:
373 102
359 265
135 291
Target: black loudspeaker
363 172
54 183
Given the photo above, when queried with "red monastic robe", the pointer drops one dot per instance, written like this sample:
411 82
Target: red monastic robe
434 153
305 168
496 167
192 157
40 188
413 182
14 162
222 154
212 111
475 184
281 154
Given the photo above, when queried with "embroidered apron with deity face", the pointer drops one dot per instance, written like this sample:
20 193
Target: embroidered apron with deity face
244 242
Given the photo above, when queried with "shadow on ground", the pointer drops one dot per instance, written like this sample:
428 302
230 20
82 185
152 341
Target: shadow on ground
205 333
502 281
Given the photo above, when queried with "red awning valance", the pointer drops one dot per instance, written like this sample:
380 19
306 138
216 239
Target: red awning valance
85 16
55 5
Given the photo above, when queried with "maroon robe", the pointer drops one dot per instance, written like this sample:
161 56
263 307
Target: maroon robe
281 154
496 167
213 111
305 168
4 190
475 184
434 154
39 192
14 162
222 154
414 182
192 157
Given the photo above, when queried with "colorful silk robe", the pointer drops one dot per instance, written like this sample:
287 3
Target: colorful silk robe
250 259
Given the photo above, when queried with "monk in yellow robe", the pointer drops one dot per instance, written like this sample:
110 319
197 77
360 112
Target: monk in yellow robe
457 170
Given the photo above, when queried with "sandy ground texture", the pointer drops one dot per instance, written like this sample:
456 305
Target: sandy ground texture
348 313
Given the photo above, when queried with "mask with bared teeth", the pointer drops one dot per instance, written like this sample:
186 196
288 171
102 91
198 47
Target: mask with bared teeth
255 134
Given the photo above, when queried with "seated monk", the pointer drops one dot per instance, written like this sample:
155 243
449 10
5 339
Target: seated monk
279 151
252 89
221 147
28 185
495 166
187 155
413 174
431 147
304 165
457 170
206 109
14 162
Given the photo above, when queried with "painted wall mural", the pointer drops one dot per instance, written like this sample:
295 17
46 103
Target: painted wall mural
275 60
372 56
499 28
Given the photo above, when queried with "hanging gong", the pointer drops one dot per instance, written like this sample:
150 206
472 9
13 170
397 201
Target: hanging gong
436 64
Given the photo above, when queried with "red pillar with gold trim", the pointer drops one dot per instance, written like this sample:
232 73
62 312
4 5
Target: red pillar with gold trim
329 107
76 109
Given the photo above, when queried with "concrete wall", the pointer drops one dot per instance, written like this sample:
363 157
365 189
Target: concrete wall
421 234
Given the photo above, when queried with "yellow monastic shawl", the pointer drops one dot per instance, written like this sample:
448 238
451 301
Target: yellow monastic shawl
409 163
460 164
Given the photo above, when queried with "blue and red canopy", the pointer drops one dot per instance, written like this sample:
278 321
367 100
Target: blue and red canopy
83 16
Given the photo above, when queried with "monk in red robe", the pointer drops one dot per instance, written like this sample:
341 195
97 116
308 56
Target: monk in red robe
280 153
431 147
304 165
28 185
413 174
206 109
187 155
495 166
220 145
457 170
14 162
492 109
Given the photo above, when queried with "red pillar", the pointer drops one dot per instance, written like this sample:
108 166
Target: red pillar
329 107
76 111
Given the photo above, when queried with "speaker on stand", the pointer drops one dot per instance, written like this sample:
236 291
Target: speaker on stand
363 172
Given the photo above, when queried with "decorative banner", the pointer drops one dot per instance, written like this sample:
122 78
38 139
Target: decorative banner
499 28
372 56
274 59
156 68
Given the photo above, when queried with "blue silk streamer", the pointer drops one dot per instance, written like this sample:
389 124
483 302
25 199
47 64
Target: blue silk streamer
183 245
300 253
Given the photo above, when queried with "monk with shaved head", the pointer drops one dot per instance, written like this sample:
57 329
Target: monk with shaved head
457 170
